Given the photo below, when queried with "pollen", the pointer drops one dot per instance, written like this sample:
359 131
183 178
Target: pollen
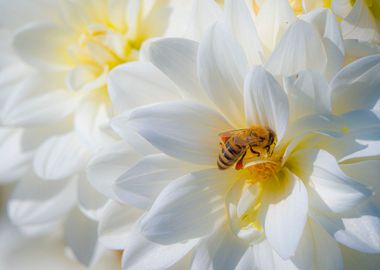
263 170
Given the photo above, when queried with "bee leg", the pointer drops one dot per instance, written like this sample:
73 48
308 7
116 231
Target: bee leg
239 164
254 152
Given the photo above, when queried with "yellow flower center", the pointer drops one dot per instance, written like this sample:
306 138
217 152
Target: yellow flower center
103 46
263 170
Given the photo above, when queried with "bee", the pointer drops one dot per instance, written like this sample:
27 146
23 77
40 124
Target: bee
234 145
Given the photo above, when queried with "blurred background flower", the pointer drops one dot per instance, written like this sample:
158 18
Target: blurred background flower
55 105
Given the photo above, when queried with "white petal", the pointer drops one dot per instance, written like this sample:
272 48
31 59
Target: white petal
328 27
136 84
360 24
286 215
142 254
204 13
360 231
265 102
341 7
184 130
320 169
80 236
85 78
300 48
223 77
222 250
116 224
177 59
239 20
308 93
107 165
325 124
267 258
357 145
91 123
90 202
190 207
143 182
14 159
60 157
247 261
356 49
44 45
273 20
35 201
367 172
40 99
357 85
327 253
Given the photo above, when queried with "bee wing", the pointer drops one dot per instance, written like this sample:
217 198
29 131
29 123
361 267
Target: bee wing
224 136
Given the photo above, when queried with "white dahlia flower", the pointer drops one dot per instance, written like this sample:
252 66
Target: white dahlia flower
302 206
56 113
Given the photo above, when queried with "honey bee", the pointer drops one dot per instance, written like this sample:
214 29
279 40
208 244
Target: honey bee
234 145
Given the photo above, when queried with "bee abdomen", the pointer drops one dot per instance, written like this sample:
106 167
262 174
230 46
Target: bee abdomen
228 156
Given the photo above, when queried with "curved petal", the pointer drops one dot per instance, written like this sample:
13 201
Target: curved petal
339 192
35 201
327 254
223 77
60 157
91 123
356 49
176 58
300 48
360 24
222 250
308 93
239 20
14 159
136 84
90 202
265 102
183 129
357 85
190 207
142 254
367 172
286 215
360 230
41 99
357 145
267 258
328 27
107 165
273 20
116 224
44 45
80 236
204 13
143 182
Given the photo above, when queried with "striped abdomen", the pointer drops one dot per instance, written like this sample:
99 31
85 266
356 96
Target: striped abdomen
229 154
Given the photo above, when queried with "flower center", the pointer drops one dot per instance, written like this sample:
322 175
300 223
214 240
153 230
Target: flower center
252 152
103 46
262 170
96 51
